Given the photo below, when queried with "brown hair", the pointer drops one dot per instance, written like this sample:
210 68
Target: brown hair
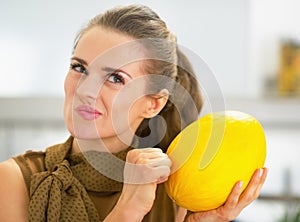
140 22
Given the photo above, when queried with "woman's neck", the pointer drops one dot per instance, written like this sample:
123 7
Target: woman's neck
112 145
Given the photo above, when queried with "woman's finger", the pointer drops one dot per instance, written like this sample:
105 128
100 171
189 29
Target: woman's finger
139 155
262 181
253 188
148 165
233 198
160 161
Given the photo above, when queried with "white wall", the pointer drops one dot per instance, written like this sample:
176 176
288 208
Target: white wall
270 21
36 39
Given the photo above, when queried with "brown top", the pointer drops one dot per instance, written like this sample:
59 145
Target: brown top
65 187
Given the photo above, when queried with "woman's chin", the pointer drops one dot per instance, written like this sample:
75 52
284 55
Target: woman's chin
84 134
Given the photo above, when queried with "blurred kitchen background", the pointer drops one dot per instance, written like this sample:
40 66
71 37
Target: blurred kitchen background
251 46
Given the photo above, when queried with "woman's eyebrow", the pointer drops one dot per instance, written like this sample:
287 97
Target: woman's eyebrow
82 61
111 70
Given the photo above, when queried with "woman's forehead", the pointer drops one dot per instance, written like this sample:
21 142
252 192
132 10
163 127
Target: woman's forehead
98 40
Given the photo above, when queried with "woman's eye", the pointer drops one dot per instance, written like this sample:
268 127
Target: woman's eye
116 78
79 68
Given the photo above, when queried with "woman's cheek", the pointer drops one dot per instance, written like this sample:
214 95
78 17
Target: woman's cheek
70 85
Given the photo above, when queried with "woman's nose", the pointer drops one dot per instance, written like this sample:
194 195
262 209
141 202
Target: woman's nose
88 89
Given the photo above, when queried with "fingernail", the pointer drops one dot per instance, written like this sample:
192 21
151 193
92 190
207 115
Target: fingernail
260 171
240 185
161 179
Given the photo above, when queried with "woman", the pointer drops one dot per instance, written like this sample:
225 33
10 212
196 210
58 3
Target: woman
125 71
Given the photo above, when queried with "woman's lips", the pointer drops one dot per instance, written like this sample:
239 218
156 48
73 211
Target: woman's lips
87 112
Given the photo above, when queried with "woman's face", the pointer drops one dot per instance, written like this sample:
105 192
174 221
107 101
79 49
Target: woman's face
103 94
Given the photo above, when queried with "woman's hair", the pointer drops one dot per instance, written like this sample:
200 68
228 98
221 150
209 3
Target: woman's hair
140 22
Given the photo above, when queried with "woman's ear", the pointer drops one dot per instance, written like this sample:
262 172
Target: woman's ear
156 103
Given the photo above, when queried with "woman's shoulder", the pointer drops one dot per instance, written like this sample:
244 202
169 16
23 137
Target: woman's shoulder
13 192
10 173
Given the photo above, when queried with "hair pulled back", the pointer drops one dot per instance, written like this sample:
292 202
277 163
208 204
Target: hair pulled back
140 22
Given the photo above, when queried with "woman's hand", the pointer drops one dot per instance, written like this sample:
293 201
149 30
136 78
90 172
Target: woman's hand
144 169
235 202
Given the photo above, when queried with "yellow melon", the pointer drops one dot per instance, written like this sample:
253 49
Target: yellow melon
210 155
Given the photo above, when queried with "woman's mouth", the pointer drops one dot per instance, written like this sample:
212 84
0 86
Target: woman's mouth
87 112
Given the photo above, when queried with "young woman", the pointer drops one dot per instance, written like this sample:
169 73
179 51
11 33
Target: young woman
126 71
